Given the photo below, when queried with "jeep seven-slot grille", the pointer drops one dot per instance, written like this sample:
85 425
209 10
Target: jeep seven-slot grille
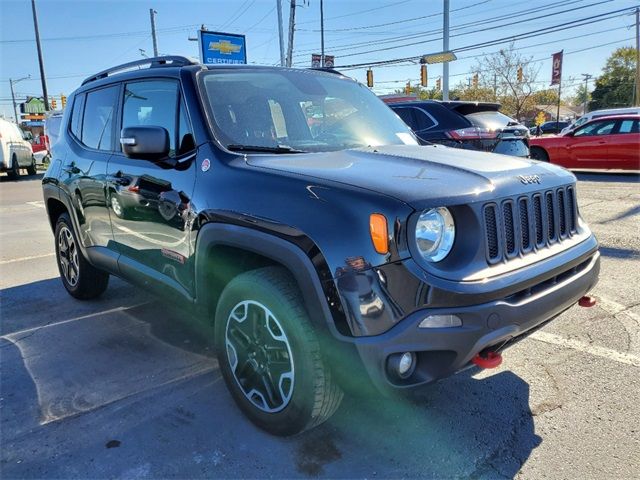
517 225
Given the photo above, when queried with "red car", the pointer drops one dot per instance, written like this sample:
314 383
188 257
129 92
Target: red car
605 142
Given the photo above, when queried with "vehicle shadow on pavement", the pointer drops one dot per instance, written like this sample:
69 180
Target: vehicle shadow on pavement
23 177
93 389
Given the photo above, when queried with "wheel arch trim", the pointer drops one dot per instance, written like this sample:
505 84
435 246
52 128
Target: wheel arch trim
277 249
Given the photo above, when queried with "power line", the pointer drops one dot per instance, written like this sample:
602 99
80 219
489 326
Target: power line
358 12
511 38
463 26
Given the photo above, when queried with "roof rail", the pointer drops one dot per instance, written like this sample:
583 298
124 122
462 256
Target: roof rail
154 62
327 70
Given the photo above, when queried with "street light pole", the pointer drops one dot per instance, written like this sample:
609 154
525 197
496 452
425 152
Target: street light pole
152 14
445 48
637 56
587 77
45 94
321 34
280 32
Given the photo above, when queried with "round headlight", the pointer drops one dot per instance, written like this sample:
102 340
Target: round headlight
435 232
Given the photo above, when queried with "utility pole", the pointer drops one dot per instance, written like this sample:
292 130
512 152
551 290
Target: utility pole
321 34
292 21
280 33
43 80
152 14
637 102
445 48
587 77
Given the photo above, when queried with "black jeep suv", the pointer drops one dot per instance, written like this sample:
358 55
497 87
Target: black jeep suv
296 214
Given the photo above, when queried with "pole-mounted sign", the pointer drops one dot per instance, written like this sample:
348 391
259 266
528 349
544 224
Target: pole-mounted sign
556 68
222 48
316 60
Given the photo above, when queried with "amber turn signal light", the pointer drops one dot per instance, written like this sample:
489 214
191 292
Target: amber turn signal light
379 233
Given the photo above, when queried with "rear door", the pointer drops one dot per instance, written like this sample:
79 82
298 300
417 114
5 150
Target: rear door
149 202
588 148
84 168
624 145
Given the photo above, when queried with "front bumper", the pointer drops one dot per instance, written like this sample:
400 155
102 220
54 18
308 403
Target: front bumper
494 325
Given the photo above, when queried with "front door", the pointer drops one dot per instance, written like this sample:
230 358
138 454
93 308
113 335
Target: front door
149 202
588 148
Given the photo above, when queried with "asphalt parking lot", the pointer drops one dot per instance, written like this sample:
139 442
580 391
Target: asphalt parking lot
122 388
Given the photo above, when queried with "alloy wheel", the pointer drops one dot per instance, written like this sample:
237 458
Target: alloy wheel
260 356
115 205
68 256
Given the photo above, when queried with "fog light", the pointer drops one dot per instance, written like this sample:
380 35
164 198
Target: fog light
405 364
441 321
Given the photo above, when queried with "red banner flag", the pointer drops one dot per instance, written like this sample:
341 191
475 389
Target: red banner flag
556 68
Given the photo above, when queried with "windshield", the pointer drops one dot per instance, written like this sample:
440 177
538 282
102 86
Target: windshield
285 111
491 120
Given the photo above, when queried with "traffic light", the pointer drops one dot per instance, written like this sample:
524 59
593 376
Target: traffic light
53 104
369 78
63 100
423 75
475 80
407 88
520 75
439 84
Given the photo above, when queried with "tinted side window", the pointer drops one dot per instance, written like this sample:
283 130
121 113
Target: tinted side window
628 126
153 103
97 122
76 116
423 120
603 127
186 142
406 114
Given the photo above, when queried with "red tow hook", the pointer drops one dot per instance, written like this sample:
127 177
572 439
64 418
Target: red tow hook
487 360
587 301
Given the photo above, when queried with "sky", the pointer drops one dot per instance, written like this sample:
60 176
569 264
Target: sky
80 38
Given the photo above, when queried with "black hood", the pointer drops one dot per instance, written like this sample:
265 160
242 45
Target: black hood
423 175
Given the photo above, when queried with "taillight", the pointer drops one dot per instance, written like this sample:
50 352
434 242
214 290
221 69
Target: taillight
134 188
472 133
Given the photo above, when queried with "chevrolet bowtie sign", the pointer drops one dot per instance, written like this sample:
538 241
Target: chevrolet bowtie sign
222 48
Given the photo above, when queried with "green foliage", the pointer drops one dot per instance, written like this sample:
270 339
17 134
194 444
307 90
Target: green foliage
614 88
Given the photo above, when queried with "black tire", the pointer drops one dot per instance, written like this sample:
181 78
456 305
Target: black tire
14 173
32 169
89 282
313 395
537 153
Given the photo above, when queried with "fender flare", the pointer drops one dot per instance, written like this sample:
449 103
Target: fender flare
275 248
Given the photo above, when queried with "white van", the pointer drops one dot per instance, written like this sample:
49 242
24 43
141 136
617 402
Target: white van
601 113
15 151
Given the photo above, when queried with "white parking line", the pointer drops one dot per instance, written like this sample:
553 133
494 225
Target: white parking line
609 354
10 336
615 308
23 259
39 204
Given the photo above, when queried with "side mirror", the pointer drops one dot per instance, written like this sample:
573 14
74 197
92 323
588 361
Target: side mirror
145 142
570 133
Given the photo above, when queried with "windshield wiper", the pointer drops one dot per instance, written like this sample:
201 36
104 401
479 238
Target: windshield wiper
260 148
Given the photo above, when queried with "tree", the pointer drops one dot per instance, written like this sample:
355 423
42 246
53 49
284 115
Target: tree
511 76
614 88
582 95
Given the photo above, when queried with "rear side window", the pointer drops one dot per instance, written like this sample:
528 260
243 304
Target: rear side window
423 120
97 121
76 116
406 114
629 126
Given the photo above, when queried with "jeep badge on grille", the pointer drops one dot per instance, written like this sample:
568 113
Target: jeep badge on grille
529 179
